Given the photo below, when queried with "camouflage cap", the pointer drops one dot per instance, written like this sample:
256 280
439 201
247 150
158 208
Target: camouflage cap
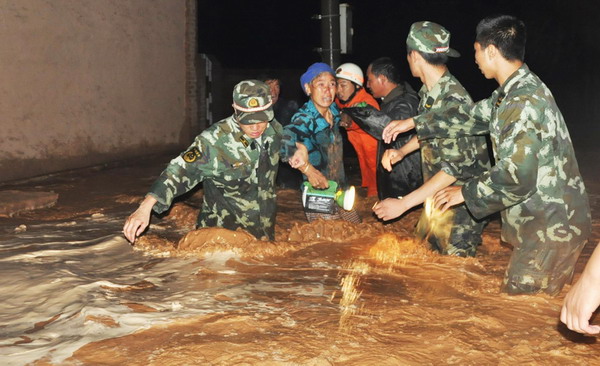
430 37
252 102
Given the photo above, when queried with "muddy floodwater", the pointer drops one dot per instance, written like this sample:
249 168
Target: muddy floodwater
73 291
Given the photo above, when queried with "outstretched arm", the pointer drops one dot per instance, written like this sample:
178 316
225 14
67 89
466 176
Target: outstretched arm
584 298
138 221
300 161
391 208
392 156
394 128
370 119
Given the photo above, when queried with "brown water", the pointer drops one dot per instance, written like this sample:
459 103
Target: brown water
324 293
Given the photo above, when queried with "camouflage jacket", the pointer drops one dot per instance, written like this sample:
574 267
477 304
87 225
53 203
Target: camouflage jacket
400 103
323 141
536 181
238 175
464 157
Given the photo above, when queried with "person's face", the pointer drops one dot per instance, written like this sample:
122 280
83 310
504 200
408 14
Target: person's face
275 89
322 90
482 60
254 130
345 88
375 84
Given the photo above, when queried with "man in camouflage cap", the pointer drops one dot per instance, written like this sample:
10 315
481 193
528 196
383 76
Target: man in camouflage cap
236 159
445 161
535 183
430 38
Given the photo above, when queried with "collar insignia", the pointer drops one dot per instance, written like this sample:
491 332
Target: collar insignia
500 99
429 103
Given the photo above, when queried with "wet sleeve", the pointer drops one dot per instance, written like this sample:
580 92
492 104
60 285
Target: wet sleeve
476 123
182 174
363 103
371 120
296 131
513 178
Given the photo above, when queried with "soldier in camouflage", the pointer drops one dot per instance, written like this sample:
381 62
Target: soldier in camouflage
236 159
445 161
535 184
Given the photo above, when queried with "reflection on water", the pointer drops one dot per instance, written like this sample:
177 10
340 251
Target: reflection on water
74 291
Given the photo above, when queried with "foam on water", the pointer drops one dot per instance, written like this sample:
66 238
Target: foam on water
58 295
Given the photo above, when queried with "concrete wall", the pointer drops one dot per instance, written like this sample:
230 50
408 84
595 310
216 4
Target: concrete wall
84 82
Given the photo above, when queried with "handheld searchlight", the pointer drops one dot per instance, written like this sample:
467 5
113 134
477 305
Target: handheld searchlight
324 200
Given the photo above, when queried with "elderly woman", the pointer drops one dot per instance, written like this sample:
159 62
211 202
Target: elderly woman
312 142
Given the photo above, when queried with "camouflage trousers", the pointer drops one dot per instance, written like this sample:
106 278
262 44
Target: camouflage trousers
541 267
454 232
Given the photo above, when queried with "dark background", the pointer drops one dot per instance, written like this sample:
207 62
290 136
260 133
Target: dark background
563 42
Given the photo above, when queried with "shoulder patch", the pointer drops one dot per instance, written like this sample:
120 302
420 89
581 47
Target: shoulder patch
192 155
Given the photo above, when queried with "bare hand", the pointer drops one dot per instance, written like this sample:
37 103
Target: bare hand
448 197
389 208
316 178
579 305
396 127
300 157
346 120
391 157
138 221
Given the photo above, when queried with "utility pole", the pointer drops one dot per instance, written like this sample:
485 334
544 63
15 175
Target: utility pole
330 32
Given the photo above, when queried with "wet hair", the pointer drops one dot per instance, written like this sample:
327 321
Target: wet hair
506 32
386 67
435 59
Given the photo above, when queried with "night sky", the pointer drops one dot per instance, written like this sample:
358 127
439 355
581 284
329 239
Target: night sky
280 34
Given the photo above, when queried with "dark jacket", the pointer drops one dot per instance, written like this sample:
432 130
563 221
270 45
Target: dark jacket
401 103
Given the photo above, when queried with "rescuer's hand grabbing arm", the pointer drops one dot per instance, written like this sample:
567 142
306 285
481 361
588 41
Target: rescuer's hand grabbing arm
394 128
448 197
392 156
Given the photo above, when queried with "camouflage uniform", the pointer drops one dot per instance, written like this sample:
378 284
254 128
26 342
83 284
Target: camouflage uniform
464 158
238 175
535 183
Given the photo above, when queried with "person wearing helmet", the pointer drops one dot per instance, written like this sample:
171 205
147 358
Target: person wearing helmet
236 159
351 93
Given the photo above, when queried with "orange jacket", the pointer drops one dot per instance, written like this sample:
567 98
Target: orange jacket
361 96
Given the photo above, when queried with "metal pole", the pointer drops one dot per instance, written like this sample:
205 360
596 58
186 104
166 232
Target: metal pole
330 32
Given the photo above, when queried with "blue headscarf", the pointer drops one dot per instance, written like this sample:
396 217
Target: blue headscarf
313 71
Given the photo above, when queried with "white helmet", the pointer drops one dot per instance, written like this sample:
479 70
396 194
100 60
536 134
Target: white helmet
350 71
